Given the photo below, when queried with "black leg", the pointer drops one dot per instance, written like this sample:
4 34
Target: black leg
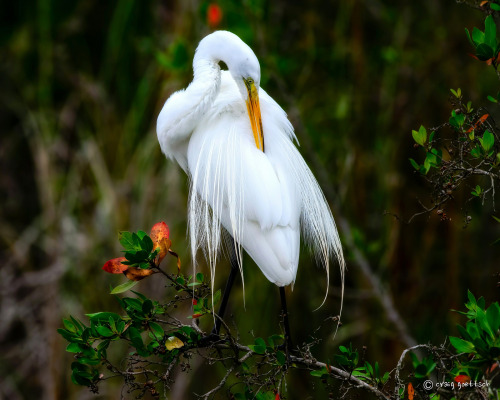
227 289
288 338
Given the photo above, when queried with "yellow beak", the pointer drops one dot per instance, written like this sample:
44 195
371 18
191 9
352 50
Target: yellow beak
253 108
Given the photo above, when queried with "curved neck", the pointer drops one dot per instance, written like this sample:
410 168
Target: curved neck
205 85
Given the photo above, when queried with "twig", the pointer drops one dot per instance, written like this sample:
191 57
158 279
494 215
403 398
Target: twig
342 374
400 365
228 373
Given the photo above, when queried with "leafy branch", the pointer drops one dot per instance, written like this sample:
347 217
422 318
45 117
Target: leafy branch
161 344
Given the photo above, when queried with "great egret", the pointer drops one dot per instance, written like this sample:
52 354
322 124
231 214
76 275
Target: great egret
236 145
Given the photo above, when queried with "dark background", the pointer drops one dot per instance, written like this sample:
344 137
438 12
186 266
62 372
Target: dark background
82 83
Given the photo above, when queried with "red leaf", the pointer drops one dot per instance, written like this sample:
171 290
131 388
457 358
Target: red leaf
492 368
277 396
198 315
178 261
462 378
137 274
195 302
160 237
411 391
115 265
214 15
479 122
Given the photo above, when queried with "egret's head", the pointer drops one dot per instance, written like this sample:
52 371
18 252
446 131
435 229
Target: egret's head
246 73
244 68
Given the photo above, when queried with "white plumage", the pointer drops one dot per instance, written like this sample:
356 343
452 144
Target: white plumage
262 193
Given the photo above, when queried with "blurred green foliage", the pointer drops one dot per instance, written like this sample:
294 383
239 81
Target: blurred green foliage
82 84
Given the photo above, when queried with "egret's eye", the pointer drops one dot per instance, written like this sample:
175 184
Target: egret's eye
250 81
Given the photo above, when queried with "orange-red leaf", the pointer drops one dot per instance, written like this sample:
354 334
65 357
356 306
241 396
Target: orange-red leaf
479 122
462 378
492 368
411 391
214 15
198 315
160 237
115 265
483 3
136 274
277 396
178 260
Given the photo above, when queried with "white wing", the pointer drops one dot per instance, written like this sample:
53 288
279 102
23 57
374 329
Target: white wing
247 190
262 199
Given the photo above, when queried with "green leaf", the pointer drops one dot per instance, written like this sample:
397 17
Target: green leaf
69 325
414 164
492 99
420 136
135 337
264 396
69 336
490 32
136 256
477 191
217 297
127 241
103 316
493 316
104 331
147 244
147 306
120 326
477 36
320 373
495 6
484 52
88 361
73 348
157 330
180 280
472 299
476 152
482 321
135 304
280 357
200 277
461 345
456 120
369 368
259 347
472 43
487 141
124 287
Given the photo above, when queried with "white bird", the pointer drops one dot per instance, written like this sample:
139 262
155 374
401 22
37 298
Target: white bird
236 145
